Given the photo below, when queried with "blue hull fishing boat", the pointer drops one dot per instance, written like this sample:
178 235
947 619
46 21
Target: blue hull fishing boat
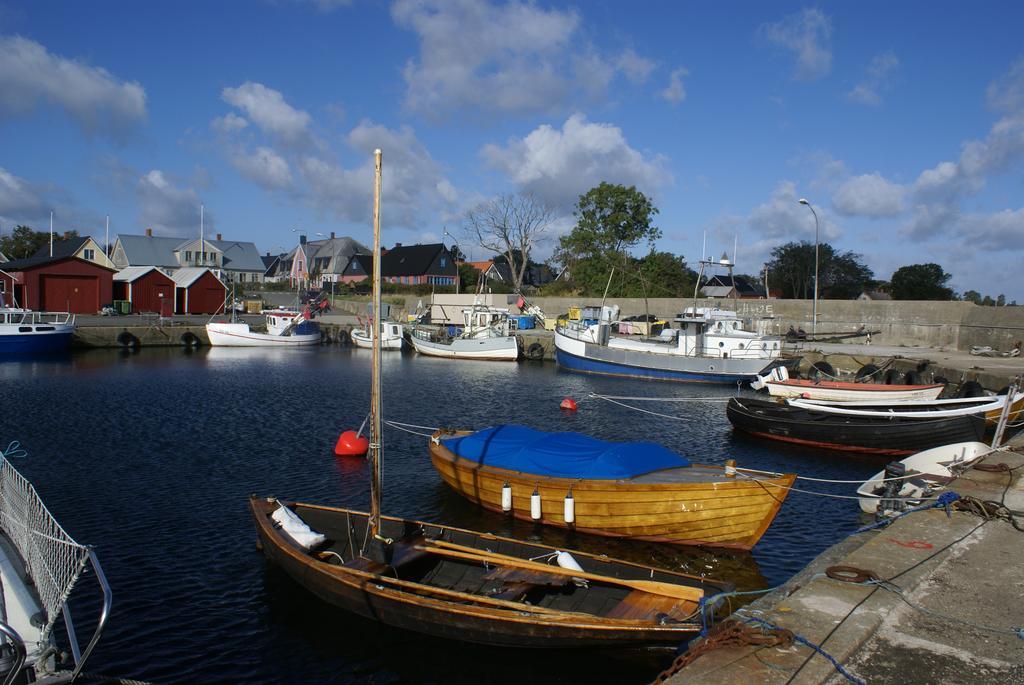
26 333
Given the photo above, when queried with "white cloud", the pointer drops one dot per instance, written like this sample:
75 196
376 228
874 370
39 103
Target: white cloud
511 57
636 68
1000 231
877 79
869 195
1007 91
494 57
229 123
675 92
782 217
264 167
97 100
166 208
267 109
807 34
559 165
414 187
20 201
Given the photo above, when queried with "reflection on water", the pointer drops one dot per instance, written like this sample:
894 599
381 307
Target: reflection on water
151 457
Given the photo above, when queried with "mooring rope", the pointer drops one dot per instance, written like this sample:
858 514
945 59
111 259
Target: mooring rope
659 399
407 427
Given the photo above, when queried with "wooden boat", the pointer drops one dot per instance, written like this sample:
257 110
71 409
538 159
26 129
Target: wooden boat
477 587
989 406
464 585
779 384
641 491
903 483
391 336
891 434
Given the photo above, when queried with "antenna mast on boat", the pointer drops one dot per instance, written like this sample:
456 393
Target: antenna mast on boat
375 385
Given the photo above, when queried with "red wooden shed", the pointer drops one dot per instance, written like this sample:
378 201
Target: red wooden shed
198 291
57 284
147 288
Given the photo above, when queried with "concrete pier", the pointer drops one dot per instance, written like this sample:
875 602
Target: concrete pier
961 572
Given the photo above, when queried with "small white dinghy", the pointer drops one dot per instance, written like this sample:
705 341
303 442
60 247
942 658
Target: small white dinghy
904 483
391 336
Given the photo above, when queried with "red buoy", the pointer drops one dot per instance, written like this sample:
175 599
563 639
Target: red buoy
568 404
351 444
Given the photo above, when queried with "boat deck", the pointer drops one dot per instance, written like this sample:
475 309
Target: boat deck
21 608
687 474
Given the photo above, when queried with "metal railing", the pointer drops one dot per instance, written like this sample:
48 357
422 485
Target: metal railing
53 560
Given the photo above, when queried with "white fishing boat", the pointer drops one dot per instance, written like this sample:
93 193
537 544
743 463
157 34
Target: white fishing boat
709 346
905 483
779 384
40 565
285 328
485 336
391 337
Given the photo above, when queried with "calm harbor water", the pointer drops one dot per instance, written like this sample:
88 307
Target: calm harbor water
151 457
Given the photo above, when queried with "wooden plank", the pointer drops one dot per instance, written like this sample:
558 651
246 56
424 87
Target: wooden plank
643 606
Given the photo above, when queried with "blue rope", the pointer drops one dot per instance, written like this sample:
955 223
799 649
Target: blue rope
14 451
943 501
804 641
707 609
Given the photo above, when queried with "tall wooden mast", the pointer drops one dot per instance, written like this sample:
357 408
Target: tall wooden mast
376 451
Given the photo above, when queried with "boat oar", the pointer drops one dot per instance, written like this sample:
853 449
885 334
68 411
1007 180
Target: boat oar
654 587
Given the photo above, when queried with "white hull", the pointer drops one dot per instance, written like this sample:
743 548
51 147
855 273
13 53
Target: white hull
493 349
827 394
239 335
390 340
935 466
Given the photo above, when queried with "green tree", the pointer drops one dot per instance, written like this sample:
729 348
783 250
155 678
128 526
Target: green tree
24 242
841 275
468 276
610 220
921 282
666 275
972 296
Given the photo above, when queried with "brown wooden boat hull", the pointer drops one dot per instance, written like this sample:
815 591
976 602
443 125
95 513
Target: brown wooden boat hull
453 615
721 512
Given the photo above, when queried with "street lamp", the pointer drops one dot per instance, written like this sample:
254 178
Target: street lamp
814 309
456 244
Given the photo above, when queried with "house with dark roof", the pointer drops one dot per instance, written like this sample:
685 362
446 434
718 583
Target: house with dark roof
83 247
732 287
874 295
321 261
406 264
230 260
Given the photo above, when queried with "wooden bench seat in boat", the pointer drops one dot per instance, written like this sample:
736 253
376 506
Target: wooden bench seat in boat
644 606
517 583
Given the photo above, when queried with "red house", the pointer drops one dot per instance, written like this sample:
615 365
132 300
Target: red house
147 288
198 291
57 284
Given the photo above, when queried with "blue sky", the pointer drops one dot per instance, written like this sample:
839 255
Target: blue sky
902 123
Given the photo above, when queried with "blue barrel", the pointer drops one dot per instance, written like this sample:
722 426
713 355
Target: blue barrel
524 323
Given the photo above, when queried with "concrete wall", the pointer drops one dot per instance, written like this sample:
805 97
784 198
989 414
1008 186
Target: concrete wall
941 325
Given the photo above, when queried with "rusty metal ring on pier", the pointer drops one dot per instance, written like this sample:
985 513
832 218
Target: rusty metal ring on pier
850 574
992 468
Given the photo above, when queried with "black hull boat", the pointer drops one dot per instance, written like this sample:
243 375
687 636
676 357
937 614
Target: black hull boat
896 435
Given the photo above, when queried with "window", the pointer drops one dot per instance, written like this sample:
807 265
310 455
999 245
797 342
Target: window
89 254
188 255
444 261
241 277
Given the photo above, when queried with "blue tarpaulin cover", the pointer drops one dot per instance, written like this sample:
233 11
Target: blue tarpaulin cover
562 455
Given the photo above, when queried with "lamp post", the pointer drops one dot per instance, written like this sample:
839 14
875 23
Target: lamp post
814 309
456 244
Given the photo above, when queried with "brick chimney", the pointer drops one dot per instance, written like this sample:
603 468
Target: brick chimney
332 235
398 245
149 232
302 240
218 237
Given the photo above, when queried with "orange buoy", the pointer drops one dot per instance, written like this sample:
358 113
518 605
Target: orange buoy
568 404
351 444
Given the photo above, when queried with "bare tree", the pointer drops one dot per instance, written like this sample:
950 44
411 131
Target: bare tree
510 225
